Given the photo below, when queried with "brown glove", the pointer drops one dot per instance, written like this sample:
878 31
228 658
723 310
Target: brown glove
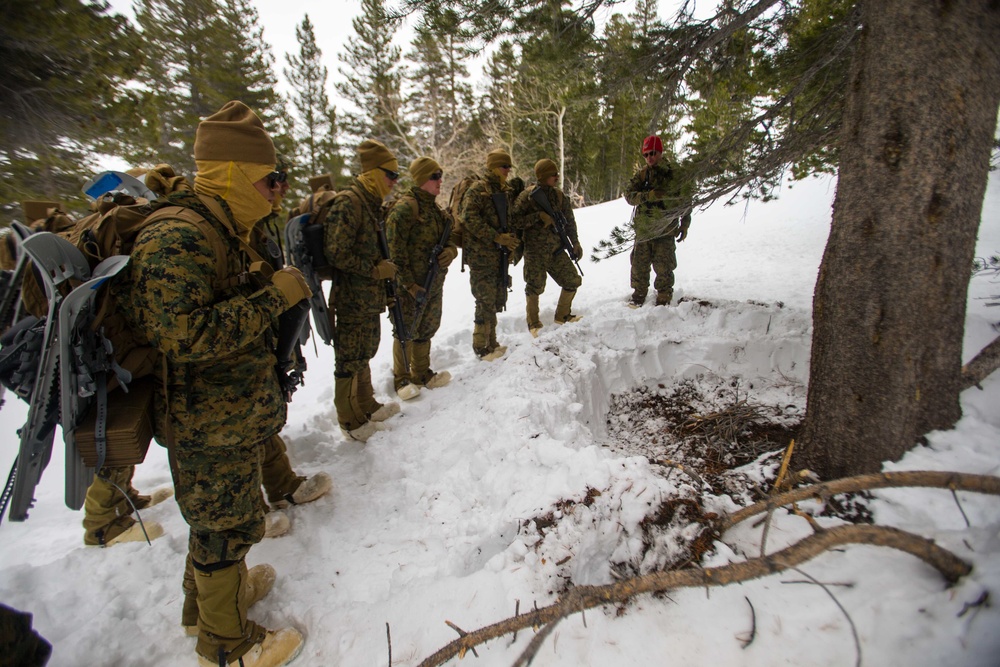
546 219
384 270
578 250
415 290
682 233
292 284
508 241
446 256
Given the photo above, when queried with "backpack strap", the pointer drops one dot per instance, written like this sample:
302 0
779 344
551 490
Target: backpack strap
222 276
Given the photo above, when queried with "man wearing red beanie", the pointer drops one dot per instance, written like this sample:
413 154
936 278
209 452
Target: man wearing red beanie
662 213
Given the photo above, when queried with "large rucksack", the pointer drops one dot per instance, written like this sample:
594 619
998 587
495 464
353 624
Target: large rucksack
455 205
82 358
305 241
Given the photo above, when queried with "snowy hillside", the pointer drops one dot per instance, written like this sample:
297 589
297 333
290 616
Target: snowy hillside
438 519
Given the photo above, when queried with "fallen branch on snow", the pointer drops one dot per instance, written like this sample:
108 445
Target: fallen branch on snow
581 598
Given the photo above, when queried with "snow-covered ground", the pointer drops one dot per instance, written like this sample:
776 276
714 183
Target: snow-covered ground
430 521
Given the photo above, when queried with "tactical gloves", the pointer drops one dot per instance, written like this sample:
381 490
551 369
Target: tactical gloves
416 291
508 241
384 270
446 256
546 219
292 284
577 249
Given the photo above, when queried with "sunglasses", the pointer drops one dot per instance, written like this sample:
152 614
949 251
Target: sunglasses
650 153
505 166
276 177
436 176
392 175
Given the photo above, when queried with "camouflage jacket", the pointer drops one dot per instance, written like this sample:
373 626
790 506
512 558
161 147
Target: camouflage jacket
215 338
411 239
536 236
480 223
653 218
352 248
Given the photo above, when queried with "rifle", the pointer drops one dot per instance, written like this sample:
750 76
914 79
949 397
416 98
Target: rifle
560 222
293 329
434 267
391 291
500 204
304 245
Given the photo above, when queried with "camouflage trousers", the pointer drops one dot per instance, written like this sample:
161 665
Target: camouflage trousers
430 320
484 279
538 264
218 491
355 342
659 253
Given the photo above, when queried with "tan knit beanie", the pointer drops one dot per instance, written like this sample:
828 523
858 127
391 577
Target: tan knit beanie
545 168
234 134
422 168
497 158
374 154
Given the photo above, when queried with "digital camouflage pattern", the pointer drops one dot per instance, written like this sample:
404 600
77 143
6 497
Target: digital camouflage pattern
543 253
356 298
480 225
222 395
652 218
411 240
654 227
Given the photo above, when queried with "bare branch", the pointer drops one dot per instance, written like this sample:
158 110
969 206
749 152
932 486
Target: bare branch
982 365
587 597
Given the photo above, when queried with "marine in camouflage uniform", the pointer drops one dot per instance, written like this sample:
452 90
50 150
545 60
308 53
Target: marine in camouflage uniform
218 396
543 252
482 241
358 295
283 486
414 227
655 190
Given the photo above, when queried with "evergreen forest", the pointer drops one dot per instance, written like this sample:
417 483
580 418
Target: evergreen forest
743 95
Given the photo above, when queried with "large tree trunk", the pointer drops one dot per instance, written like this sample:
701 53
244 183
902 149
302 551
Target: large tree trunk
889 305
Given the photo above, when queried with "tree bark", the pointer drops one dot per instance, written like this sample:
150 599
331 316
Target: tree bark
890 300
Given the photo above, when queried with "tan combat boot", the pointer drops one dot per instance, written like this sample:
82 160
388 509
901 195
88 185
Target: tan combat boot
563 314
481 339
664 298
534 322
107 516
225 634
496 349
345 399
260 581
420 362
311 488
638 298
402 379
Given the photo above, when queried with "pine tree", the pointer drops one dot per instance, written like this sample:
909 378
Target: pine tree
440 101
315 129
65 67
373 81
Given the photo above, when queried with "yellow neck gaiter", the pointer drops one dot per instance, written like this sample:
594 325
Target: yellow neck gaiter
234 182
375 182
501 174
